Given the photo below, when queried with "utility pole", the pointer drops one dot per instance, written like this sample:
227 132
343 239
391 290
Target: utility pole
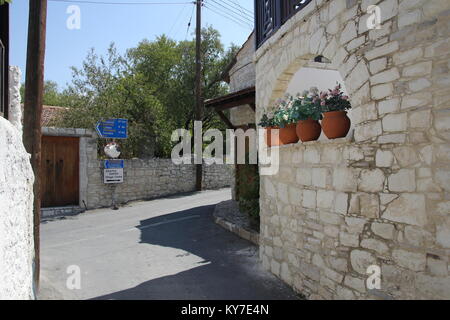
34 88
198 86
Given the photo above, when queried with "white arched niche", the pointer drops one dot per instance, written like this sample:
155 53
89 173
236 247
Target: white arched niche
316 75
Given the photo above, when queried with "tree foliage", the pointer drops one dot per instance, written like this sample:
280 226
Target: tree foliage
152 85
52 95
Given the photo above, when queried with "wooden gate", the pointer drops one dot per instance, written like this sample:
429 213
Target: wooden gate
60 171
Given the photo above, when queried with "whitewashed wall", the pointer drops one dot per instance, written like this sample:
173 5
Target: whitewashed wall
16 207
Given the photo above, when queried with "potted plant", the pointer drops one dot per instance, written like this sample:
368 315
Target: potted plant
282 120
267 122
285 120
335 123
307 113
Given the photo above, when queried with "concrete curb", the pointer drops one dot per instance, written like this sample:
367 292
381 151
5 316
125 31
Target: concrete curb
249 235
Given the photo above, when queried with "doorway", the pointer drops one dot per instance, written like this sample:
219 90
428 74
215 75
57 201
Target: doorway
60 185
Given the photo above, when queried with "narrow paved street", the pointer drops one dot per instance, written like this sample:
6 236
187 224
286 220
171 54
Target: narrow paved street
162 249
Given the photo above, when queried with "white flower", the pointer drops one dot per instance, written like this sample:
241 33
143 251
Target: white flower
286 117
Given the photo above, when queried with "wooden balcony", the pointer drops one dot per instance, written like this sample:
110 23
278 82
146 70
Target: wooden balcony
272 14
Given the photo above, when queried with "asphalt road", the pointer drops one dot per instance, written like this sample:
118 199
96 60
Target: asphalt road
162 249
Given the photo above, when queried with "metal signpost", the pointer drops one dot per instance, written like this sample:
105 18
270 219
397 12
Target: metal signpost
113 171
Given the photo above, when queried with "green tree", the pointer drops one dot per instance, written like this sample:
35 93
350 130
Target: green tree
152 85
52 95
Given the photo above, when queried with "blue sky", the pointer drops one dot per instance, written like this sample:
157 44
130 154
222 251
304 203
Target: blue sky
126 25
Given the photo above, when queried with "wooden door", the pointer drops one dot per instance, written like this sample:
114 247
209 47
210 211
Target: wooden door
60 171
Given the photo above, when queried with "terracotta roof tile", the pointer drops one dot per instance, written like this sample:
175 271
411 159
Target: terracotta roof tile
50 114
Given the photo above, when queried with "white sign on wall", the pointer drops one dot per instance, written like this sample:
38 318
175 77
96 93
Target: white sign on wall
113 176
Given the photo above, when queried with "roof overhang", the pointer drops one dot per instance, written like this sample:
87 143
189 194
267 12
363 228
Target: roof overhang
233 100
230 101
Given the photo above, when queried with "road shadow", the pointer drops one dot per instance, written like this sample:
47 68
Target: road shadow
230 270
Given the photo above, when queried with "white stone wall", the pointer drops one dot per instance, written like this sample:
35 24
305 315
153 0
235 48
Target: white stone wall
16 212
382 197
242 76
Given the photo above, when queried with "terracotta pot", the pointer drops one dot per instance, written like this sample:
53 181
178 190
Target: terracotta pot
268 137
286 135
308 130
336 124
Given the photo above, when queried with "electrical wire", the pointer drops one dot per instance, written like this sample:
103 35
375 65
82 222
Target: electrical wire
242 24
241 7
234 10
176 20
189 24
117 3
231 15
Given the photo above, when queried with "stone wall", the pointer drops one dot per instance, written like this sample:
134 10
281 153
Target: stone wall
381 197
16 206
147 179
242 76
144 179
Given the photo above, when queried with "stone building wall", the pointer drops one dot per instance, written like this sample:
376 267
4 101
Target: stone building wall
16 205
381 197
242 76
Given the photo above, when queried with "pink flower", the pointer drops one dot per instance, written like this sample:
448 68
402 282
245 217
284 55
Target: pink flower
323 103
345 97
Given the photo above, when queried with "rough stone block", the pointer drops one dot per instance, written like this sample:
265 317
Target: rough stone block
383 230
371 180
403 181
414 261
408 208
361 260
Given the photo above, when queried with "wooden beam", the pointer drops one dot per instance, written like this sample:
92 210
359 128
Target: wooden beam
234 103
225 119
34 89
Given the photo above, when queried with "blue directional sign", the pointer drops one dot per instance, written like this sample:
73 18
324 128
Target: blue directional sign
113 129
114 164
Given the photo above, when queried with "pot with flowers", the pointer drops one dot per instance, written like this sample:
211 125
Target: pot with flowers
285 121
281 120
268 122
307 113
335 123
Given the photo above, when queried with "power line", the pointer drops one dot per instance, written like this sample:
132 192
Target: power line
177 19
234 10
242 24
232 16
189 24
244 9
117 3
